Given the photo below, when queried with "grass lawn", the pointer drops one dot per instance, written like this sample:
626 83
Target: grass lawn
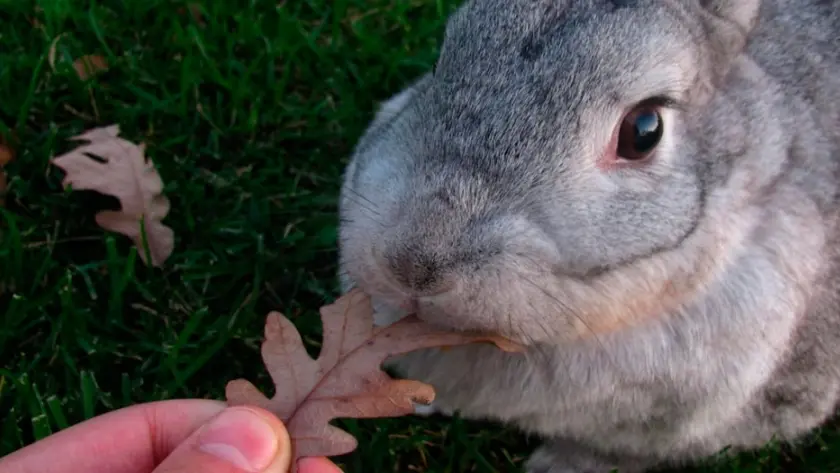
249 111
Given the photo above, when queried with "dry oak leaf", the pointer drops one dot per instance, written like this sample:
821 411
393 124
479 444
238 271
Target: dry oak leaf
195 11
6 156
126 174
346 381
89 65
85 66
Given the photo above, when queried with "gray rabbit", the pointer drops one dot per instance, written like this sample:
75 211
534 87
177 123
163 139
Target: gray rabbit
645 193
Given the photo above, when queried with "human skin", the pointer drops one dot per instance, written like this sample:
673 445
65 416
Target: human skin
168 437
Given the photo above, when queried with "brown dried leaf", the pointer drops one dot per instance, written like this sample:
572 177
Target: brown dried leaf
6 156
127 175
90 65
195 12
346 380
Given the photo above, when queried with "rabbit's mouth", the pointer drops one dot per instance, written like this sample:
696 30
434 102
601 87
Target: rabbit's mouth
454 309
393 306
393 300
492 298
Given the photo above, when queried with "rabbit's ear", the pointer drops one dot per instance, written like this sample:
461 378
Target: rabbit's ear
732 21
729 24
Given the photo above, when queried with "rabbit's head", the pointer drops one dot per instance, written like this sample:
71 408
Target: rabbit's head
568 168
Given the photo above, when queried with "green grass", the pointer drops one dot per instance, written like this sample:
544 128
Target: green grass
250 117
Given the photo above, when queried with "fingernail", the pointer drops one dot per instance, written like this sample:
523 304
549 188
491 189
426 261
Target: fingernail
241 437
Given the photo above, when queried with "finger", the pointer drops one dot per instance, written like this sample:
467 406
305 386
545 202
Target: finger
317 465
130 440
241 439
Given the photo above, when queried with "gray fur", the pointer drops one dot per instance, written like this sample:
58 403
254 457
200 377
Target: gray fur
671 310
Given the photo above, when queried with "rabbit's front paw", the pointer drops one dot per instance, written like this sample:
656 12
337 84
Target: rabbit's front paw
568 457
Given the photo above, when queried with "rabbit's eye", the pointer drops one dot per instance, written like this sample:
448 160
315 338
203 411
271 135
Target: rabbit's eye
640 133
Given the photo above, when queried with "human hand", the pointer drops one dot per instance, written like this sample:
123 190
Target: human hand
180 436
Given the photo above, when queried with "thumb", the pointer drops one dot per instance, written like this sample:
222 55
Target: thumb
238 440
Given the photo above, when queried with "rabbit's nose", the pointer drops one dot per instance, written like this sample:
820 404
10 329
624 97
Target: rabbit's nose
422 273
